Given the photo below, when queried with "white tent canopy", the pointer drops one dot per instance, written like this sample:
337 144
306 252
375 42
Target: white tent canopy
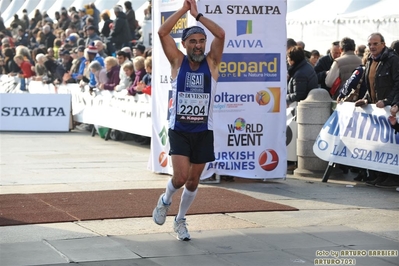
383 10
57 7
321 22
293 5
12 9
3 6
29 5
44 5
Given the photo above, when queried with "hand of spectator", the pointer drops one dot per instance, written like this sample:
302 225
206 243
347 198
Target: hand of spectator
392 120
140 86
380 104
394 110
66 77
361 102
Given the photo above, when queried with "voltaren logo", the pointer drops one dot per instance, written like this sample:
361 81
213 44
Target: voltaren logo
270 98
244 27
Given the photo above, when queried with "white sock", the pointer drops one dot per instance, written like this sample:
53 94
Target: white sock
170 190
186 199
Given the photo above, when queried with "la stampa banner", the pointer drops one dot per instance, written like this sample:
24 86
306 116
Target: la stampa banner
249 110
361 137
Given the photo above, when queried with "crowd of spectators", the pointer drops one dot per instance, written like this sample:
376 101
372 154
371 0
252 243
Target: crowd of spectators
360 74
82 45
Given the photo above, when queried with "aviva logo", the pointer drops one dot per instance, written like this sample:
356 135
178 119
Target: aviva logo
244 27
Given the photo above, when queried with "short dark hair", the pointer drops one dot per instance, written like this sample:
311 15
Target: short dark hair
128 5
290 43
377 34
347 44
336 43
296 54
122 53
315 53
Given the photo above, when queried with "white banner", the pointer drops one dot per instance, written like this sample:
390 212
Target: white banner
113 110
34 112
249 111
361 137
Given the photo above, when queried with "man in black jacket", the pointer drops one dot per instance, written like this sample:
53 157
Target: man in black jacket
49 36
382 82
324 64
120 33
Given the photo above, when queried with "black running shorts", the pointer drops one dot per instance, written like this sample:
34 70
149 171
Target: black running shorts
197 146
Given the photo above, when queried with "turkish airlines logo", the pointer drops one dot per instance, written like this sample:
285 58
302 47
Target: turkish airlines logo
268 160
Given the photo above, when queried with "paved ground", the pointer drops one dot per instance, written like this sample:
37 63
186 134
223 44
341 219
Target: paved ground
339 216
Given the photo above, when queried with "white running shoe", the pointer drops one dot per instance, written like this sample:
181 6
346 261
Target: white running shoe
180 228
160 211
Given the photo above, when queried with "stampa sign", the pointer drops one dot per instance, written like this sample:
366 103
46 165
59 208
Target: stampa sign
361 137
34 112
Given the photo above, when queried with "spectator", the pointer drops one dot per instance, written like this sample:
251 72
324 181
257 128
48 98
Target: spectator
65 21
66 60
40 69
100 73
314 57
96 15
100 48
342 67
26 69
355 85
139 70
131 19
57 48
360 49
23 38
382 81
144 86
78 66
106 29
55 71
128 69
323 65
395 47
17 23
92 55
91 35
120 32
302 77
302 45
112 67
49 37
138 50
125 81
25 18
10 67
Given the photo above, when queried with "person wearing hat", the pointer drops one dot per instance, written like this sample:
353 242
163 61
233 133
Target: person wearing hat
120 33
92 54
190 134
138 50
78 66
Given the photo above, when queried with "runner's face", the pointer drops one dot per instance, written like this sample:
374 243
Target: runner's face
195 46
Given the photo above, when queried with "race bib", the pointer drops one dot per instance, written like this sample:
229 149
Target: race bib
192 107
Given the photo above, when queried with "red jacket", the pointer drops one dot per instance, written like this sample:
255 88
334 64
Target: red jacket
26 69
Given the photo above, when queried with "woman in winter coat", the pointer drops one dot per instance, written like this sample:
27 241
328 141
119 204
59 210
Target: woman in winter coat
113 68
301 76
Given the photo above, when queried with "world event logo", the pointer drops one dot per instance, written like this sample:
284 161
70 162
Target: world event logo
249 67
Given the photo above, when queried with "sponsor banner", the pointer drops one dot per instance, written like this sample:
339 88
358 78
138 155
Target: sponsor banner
34 112
249 105
113 110
360 137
